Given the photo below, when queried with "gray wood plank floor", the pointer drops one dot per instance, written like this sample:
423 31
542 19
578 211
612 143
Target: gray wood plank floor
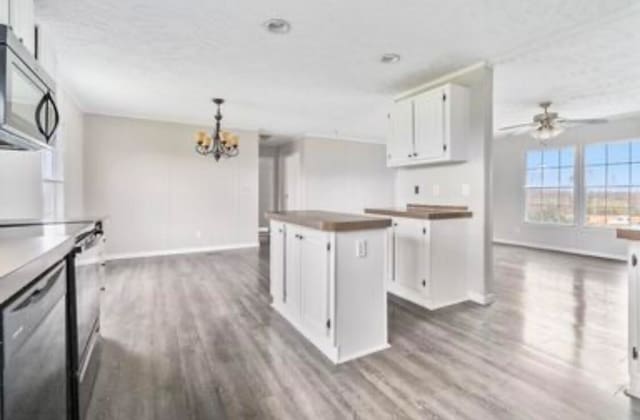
193 337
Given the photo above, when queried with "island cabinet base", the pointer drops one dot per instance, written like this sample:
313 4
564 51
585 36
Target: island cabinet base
331 287
428 261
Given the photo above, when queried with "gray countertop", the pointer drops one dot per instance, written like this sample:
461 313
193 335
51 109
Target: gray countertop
28 251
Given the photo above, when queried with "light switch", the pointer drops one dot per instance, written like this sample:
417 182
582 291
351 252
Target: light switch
436 190
466 190
361 248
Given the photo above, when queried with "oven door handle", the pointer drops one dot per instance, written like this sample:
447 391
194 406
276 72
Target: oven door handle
38 294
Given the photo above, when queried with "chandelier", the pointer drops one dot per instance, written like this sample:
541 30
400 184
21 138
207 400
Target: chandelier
220 143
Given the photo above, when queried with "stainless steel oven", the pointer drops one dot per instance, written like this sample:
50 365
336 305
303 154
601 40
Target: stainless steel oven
29 116
84 312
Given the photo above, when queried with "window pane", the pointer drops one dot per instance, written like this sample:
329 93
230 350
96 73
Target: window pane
594 154
551 158
565 214
565 197
618 152
595 176
634 205
534 178
618 175
551 177
617 206
534 159
566 177
550 198
635 151
567 157
635 174
533 197
596 206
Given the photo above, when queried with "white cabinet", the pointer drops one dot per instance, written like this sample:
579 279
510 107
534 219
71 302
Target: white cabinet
19 16
634 318
410 247
335 297
430 127
429 261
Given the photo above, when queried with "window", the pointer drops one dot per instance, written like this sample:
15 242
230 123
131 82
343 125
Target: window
549 186
612 183
52 182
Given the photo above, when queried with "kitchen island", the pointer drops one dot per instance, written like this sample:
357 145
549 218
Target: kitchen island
328 279
428 254
633 236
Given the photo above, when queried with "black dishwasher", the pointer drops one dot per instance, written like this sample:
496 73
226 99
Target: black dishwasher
35 359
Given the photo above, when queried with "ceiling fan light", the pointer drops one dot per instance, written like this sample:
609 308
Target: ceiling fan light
547 133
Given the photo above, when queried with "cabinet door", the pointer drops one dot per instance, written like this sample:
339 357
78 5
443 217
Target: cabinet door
409 253
429 109
21 18
400 142
277 264
291 281
4 12
314 268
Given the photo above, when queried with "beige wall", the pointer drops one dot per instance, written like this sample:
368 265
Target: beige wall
345 176
163 197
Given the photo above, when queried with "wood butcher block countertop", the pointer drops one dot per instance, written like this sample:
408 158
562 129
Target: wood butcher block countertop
425 211
632 234
329 221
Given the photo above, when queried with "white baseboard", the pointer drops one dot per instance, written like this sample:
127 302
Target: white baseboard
178 251
574 251
482 299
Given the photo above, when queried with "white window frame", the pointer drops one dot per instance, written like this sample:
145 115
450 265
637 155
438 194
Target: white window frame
584 187
576 190
53 178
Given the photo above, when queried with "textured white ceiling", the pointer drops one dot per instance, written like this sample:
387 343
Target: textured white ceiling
165 59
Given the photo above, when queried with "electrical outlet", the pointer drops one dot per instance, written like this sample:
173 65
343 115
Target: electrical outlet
198 234
466 190
416 189
436 190
361 248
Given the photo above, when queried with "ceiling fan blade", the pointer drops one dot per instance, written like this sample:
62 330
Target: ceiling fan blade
519 126
582 121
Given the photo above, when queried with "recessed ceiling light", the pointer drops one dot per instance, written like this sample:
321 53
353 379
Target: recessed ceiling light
277 26
390 58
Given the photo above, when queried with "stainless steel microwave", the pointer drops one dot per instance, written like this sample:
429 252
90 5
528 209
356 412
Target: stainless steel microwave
29 116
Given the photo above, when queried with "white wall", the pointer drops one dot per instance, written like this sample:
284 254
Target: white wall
72 135
160 195
449 181
345 176
20 185
509 155
21 172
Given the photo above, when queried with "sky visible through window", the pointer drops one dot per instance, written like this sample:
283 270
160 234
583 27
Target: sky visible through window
549 187
612 183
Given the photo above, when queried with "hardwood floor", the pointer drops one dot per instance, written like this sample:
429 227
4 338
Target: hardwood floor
193 337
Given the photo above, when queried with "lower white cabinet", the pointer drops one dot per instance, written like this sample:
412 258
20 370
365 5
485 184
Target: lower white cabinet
329 290
428 261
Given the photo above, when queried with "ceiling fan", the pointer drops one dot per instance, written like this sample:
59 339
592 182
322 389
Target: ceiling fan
548 125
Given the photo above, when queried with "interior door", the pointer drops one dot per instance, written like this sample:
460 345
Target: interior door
314 268
291 181
409 253
400 143
429 125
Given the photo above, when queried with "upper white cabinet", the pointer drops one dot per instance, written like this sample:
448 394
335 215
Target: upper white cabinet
429 127
19 16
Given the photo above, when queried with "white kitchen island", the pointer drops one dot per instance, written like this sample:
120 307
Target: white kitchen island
633 236
328 279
